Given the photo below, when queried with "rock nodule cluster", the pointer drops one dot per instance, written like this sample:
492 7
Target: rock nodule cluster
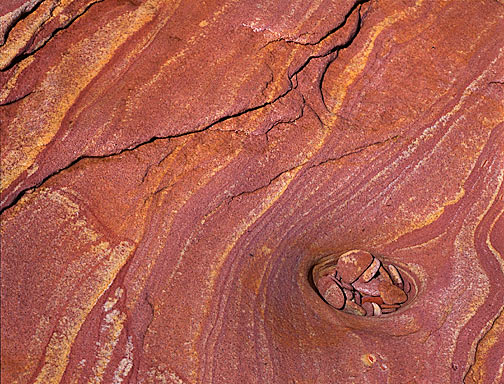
361 284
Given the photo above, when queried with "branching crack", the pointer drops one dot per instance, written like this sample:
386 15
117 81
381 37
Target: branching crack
23 55
132 148
290 121
292 78
23 15
267 184
356 150
356 5
16 100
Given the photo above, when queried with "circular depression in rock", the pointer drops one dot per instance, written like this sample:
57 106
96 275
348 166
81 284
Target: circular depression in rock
363 284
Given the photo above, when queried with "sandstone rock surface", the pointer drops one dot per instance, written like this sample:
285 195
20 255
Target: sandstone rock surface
171 171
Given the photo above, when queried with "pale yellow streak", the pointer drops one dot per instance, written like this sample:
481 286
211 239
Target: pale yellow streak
58 350
111 331
7 88
497 255
142 276
485 346
104 261
465 241
133 102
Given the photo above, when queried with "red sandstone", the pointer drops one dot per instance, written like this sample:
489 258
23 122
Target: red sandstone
171 171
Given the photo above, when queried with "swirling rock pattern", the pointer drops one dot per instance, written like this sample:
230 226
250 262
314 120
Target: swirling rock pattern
172 170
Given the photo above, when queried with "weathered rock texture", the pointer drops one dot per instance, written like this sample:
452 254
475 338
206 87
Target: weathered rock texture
172 170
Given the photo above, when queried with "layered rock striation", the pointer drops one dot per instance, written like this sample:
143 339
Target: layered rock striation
172 172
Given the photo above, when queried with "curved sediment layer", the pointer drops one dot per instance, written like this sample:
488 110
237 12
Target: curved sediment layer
171 172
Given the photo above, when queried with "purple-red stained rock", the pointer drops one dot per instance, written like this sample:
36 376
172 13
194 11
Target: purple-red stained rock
358 297
346 285
352 264
349 294
407 286
391 294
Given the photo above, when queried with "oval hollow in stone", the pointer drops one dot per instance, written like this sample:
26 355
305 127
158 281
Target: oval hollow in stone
352 264
361 284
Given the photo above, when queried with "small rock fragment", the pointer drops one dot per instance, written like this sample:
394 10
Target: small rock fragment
372 299
395 275
331 291
370 288
358 297
376 309
335 297
354 308
391 294
371 271
349 294
368 307
346 285
352 264
384 276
